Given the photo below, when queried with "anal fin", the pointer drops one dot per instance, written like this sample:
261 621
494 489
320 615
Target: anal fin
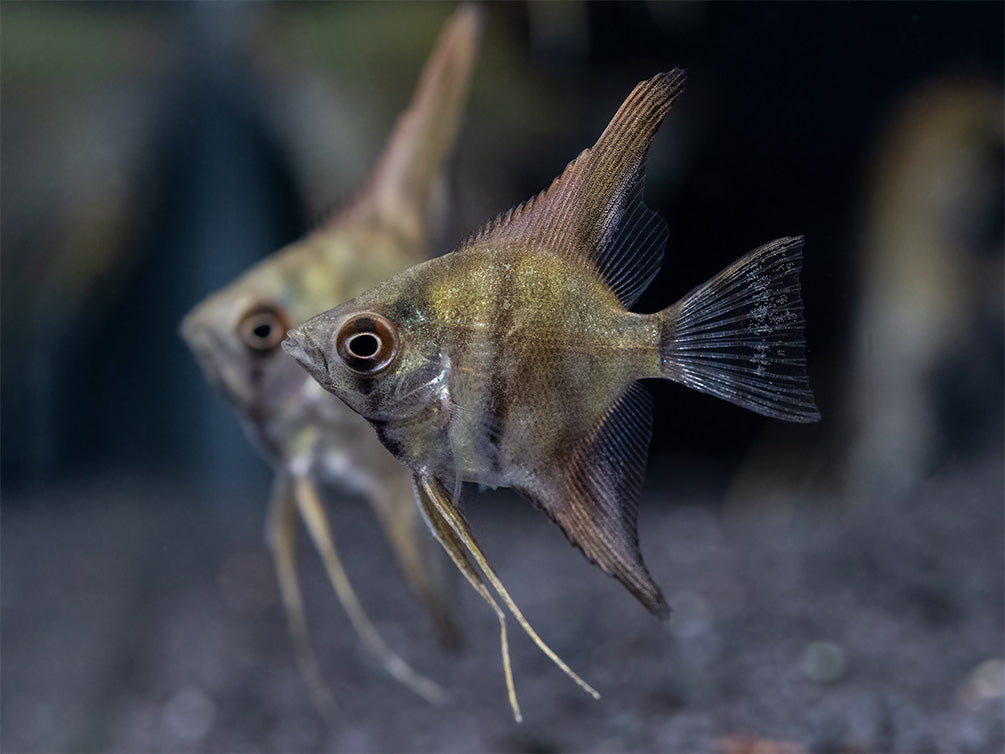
593 495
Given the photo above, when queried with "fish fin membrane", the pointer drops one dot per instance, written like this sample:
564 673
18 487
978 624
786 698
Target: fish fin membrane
594 495
740 335
406 188
594 211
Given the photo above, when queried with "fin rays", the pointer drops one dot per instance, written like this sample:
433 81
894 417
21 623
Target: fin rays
593 495
440 512
282 540
447 537
594 211
740 335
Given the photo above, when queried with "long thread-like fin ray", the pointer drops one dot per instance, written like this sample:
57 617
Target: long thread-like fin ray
455 549
740 335
281 534
316 519
594 211
441 499
402 191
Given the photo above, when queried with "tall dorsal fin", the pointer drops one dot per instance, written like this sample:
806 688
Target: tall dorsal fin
403 189
594 211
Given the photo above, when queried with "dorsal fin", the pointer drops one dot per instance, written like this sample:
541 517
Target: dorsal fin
404 189
594 212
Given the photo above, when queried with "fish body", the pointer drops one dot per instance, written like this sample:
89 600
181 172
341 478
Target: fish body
530 347
514 361
309 438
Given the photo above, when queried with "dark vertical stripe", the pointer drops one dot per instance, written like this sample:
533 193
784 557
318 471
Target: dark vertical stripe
499 391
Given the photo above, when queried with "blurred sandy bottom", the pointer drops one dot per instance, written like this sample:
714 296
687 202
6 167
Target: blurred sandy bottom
139 620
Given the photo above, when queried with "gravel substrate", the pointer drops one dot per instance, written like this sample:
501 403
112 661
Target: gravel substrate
148 620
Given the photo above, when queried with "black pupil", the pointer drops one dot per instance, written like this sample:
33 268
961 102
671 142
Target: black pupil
364 346
262 331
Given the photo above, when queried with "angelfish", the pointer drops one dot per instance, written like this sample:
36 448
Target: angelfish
515 362
311 439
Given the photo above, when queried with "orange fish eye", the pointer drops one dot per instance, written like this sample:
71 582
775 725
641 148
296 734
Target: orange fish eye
367 343
263 328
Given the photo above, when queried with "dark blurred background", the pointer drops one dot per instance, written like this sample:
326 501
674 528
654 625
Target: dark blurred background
837 586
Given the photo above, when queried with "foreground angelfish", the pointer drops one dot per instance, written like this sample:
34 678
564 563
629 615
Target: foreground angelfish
311 439
514 362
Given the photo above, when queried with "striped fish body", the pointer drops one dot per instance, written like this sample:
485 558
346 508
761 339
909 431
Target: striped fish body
514 361
534 348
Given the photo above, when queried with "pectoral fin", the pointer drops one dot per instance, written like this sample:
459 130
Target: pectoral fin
593 495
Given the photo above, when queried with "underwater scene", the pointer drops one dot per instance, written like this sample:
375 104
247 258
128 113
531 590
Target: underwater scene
518 376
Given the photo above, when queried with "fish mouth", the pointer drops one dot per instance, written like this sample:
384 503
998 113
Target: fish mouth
302 349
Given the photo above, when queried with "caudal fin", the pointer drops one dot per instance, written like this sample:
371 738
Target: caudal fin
740 335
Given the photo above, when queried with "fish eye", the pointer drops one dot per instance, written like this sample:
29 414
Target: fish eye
367 343
263 328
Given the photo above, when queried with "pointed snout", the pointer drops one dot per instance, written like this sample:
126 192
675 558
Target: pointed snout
293 345
304 349
200 338
189 330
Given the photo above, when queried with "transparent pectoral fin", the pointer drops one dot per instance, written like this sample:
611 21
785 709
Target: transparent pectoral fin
281 534
441 500
316 519
445 535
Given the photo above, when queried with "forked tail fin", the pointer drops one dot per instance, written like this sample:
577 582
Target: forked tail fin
740 335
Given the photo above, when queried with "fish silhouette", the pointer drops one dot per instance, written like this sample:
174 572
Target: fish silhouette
514 361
